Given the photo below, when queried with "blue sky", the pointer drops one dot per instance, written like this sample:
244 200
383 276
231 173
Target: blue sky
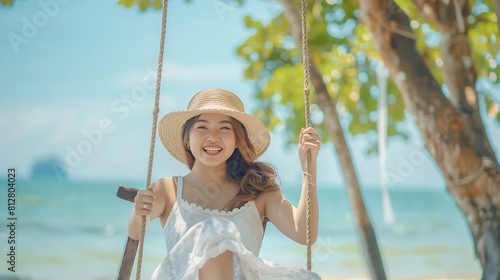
79 76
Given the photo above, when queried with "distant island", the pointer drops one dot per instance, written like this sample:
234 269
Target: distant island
50 168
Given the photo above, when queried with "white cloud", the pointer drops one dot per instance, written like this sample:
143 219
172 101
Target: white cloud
41 124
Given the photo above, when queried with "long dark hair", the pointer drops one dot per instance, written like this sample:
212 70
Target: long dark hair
253 177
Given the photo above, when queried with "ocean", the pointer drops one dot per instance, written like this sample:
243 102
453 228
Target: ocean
77 230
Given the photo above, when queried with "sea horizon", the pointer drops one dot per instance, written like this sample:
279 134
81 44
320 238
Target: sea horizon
77 228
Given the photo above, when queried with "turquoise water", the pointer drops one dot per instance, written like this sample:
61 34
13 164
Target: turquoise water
77 230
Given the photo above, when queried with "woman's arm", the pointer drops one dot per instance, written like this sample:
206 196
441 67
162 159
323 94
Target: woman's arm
150 203
291 220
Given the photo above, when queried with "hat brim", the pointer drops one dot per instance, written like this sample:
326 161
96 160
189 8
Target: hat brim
171 125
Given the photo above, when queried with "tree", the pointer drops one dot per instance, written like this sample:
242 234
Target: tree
451 126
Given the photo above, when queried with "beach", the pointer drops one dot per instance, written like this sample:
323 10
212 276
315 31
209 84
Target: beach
473 276
77 230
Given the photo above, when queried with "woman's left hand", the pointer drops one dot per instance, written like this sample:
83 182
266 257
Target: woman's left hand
309 140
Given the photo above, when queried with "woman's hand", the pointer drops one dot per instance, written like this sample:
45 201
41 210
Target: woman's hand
149 203
309 140
144 202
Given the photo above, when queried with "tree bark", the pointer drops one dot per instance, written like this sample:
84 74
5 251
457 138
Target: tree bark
328 106
453 131
496 7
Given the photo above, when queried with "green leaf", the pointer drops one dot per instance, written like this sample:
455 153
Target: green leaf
127 3
7 2
143 4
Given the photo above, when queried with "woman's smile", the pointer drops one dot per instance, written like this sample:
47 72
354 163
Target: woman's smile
213 150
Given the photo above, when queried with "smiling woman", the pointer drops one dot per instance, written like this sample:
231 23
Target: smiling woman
57 88
212 217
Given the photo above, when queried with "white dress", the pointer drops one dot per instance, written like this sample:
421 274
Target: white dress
195 235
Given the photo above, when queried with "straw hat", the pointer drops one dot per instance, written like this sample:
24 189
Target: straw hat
212 100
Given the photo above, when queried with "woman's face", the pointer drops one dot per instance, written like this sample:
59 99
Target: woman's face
212 139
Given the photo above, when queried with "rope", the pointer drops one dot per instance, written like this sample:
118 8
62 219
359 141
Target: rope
153 130
305 61
486 163
462 35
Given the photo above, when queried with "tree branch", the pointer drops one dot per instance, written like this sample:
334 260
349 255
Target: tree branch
458 69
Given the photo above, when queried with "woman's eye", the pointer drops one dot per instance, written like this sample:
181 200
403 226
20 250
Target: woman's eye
202 127
225 128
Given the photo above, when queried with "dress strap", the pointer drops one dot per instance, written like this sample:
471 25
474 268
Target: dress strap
179 187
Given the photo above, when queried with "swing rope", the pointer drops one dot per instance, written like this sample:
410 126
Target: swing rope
153 130
307 109
305 60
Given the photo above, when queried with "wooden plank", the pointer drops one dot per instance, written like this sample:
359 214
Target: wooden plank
126 193
128 256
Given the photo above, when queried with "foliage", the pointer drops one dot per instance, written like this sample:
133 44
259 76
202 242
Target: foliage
143 4
343 49
483 36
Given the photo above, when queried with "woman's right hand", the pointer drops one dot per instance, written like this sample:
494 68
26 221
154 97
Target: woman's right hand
144 202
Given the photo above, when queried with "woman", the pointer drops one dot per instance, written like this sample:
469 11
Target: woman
212 217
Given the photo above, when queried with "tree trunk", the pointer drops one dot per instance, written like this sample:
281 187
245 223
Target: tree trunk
328 106
460 75
453 131
496 7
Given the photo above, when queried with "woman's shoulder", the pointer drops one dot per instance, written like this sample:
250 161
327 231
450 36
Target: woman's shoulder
165 185
165 190
165 182
265 198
